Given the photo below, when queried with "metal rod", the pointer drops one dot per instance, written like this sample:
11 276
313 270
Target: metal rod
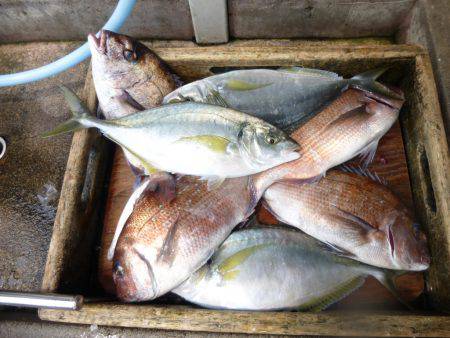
41 300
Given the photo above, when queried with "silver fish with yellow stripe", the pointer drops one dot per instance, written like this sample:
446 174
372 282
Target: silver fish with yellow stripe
191 138
285 97
268 268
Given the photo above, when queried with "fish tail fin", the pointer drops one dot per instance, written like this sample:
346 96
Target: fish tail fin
367 82
80 115
387 278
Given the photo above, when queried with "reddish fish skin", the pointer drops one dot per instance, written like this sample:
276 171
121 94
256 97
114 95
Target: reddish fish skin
356 214
135 276
162 244
335 135
128 76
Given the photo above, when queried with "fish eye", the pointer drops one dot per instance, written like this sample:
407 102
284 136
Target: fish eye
271 140
118 270
129 55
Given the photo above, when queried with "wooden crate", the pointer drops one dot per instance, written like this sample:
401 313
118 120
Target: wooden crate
72 259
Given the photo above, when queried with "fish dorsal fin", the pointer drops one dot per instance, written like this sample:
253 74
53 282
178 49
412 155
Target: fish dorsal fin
227 268
340 292
365 172
241 85
309 72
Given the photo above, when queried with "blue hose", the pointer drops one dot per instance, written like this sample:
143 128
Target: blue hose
120 14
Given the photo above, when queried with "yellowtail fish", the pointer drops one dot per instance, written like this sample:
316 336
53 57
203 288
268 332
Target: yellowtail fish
266 268
285 97
191 138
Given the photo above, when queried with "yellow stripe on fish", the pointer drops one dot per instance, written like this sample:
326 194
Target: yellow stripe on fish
243 85
215 143
227 267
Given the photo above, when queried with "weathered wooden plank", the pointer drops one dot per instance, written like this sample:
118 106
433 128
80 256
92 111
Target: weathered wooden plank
429 166
75 221
192 319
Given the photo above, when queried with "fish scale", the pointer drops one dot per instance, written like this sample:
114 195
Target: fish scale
336 210
325 145
233 201
196 237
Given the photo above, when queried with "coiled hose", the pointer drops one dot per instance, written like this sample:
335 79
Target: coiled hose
117 19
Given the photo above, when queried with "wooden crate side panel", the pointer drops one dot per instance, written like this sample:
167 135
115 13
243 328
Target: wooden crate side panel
429 167
190 319
191 63
69 261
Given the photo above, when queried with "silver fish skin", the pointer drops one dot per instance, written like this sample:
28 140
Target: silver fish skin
267 268
286 97
191 138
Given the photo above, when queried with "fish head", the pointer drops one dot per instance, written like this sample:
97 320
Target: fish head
407 243
132 274
268 145
121 60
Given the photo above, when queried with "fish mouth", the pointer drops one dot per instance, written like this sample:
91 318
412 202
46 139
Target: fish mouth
99 43
292 153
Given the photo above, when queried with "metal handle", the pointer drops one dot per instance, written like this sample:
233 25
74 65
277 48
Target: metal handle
40 300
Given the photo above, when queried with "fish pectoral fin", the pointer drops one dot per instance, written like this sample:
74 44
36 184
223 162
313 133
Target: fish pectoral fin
341 291
368 153
353 219
336 250
163 184
169 247
355 229
228 266
214 182
132 157
365 172
348 115
127 101
213 97
240 85
213 142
